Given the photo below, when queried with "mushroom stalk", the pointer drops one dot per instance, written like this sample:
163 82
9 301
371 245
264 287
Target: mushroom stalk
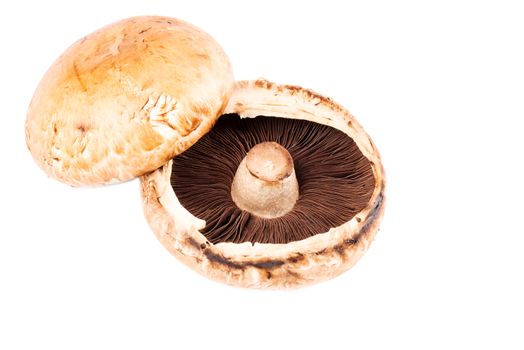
265 183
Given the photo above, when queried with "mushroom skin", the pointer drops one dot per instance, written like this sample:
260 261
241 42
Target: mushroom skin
125 99
290 265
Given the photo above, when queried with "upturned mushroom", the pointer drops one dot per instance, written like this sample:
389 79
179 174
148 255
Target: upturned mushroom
286 190
252 183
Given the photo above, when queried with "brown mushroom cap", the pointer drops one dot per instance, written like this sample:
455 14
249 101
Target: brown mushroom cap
125 99
269 265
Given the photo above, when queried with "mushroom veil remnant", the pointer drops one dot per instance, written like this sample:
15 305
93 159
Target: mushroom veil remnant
286 189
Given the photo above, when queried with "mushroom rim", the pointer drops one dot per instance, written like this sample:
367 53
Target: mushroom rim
319 257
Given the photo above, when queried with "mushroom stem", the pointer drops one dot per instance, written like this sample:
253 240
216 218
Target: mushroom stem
265 183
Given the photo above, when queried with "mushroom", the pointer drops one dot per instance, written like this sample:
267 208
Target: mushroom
125 99
287 189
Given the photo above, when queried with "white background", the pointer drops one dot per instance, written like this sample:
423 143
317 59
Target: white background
439 87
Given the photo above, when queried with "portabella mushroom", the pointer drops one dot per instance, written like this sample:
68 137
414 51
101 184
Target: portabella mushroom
125 99
287 188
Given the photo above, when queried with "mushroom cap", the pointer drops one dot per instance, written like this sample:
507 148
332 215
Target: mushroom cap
125 99
261 265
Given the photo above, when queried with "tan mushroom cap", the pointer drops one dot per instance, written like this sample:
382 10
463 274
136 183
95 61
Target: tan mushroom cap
298 263
125 99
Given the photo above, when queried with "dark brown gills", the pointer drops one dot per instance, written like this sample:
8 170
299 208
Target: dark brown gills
335 179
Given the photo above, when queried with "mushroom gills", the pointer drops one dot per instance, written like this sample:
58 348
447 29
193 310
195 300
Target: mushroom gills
334 180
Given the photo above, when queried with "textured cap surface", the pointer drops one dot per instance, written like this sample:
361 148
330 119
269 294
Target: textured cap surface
125 99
